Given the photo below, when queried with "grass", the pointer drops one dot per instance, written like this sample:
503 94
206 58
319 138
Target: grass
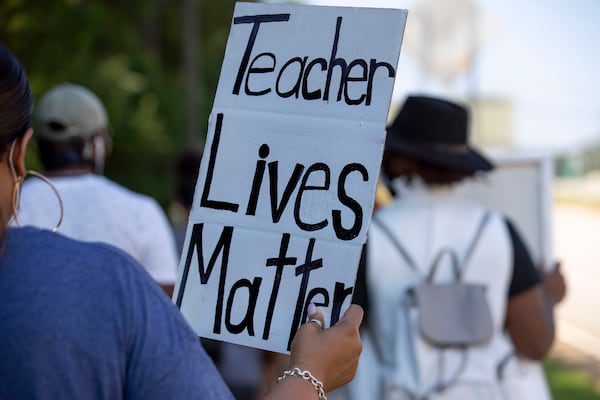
570 384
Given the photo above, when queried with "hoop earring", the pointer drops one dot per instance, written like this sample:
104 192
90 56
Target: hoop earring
16 197
11 164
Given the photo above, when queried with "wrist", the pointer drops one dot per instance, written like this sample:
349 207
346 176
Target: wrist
307 376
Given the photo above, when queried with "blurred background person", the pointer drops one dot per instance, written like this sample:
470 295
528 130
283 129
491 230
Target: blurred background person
187 166
71 127
427 155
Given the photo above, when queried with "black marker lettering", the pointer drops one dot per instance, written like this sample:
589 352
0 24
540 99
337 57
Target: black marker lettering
259 70
350 71
339 295
248 320
256 20
279 263
315 94
205 201
304 187
360 78
295 90
373 68
304 270
277 209
222 247
310 299
263 152
333 61
341 232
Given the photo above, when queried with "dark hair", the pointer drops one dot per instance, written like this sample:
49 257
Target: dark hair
60 155
16 99
433 175
16 107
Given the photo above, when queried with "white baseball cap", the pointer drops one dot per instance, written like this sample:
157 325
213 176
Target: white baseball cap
69 111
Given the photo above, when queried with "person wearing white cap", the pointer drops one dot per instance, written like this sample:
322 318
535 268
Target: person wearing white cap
71 127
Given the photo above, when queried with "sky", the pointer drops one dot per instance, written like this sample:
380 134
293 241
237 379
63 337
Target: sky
543 55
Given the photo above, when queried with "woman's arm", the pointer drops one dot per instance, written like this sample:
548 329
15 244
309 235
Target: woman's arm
330 355
530 322
532 296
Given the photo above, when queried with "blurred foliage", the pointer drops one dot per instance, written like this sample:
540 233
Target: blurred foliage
130 53
577 163
569 383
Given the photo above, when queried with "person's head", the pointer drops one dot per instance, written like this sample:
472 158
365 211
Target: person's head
428 139
16 107
187 167
71 128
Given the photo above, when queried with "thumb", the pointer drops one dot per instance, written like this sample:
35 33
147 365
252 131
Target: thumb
353 315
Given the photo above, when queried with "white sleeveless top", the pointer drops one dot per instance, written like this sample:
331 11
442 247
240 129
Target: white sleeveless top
424 222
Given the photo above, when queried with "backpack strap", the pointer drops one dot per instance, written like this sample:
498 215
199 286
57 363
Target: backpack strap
394 240
406 302
482 223
453 259
456 265
413 265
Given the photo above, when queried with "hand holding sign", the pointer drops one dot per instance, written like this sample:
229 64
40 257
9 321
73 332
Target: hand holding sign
331 354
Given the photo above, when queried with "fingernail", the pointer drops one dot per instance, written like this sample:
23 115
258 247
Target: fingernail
312 310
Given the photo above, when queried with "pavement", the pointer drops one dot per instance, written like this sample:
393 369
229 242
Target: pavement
576 242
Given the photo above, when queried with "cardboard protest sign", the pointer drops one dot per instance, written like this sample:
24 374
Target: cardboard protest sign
286 186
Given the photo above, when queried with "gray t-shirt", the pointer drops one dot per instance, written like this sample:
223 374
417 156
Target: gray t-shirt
86 321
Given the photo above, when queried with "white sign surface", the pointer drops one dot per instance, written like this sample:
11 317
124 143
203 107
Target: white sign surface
286 187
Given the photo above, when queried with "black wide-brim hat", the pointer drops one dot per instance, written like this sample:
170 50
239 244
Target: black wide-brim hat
435 131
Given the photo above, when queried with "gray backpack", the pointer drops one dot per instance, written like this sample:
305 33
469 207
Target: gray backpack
451 315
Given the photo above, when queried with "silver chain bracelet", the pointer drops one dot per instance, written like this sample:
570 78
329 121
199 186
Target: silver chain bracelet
306 375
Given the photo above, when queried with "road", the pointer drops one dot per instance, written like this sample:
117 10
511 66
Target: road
576 240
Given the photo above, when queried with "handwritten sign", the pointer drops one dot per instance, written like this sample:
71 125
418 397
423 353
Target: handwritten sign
286 186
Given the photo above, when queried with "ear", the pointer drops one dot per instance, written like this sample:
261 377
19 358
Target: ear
108 143
20 151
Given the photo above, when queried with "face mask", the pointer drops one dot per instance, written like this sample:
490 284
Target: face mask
398 185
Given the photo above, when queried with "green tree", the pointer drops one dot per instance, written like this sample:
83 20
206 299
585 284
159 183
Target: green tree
131 54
